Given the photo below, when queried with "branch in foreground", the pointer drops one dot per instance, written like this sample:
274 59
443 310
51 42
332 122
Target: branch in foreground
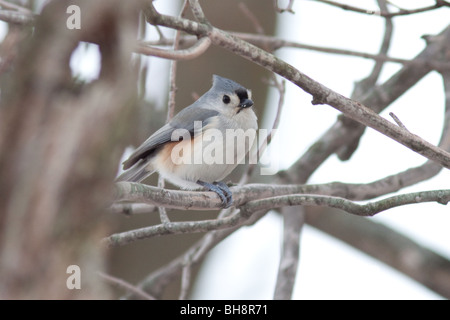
131 197
401 12
186 54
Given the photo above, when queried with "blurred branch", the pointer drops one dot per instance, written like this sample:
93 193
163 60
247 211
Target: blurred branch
397 120
293 221
16 17
271 43
123 238
287 9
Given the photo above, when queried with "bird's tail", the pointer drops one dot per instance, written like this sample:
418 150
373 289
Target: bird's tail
136 173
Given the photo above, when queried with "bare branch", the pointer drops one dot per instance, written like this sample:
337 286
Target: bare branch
293 221
125 285
13 6
156 282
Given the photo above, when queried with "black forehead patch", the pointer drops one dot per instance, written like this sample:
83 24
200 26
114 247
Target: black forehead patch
228 86
241 93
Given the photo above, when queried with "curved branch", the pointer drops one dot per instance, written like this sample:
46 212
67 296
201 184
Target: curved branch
186 54
365 210
123 238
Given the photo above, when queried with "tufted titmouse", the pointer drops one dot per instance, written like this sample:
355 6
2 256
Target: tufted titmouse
208 127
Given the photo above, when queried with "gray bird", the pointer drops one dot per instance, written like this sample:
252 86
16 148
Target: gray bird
202 144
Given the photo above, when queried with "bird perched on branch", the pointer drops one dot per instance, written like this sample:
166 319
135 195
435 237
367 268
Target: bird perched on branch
202 144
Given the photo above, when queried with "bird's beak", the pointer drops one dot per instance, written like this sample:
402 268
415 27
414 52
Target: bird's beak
246 103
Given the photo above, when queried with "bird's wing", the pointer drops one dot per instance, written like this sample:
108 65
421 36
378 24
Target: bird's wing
185 119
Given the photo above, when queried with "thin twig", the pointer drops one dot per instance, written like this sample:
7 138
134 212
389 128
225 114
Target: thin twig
401 12
198 12
171 104
363 86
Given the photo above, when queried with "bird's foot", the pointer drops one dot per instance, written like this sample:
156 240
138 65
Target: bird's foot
221 189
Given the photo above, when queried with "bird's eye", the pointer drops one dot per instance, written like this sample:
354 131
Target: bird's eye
226 99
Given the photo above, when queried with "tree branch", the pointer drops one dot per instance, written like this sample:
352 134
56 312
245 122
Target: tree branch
293 221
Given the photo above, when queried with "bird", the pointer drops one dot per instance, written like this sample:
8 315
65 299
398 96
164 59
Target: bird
179 150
